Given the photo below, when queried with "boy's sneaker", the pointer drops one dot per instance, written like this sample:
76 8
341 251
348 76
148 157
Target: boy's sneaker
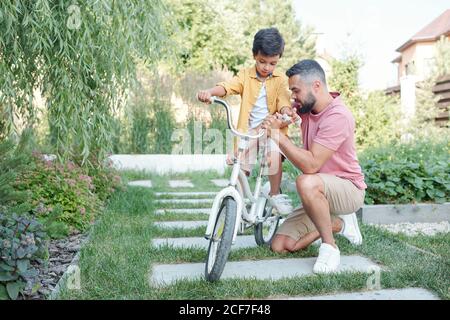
350 229
328 260
281 203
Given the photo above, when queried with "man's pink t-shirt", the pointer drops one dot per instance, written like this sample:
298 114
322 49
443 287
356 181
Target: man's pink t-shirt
334 128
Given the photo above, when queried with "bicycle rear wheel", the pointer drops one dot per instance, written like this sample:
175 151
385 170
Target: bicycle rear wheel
220 242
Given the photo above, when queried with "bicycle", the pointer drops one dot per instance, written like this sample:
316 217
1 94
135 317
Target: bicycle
229 213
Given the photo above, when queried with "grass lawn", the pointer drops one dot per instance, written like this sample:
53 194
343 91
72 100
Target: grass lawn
115 264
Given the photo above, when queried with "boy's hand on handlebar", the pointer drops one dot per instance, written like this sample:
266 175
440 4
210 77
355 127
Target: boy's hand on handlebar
204 96
272 122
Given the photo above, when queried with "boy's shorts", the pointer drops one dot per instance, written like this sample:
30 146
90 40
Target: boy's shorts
250 155
343 198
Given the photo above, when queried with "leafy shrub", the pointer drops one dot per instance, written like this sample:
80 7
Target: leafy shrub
52 185
413 172
21 243
105 178
13 160
397 173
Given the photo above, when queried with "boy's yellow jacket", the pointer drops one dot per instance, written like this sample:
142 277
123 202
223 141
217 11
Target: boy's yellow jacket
246 84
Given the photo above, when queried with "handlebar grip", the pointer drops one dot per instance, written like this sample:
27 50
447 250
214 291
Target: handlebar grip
286 118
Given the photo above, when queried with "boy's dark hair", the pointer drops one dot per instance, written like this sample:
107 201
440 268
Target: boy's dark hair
309 70
268 42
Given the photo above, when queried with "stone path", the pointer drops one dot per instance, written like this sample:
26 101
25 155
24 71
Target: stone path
220 182
200 242
183 211
141 183
180 184
274 269
181 224
267 269
385 294
185 201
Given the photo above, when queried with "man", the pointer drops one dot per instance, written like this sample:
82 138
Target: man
332 185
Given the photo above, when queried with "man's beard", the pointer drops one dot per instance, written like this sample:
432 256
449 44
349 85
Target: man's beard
308 104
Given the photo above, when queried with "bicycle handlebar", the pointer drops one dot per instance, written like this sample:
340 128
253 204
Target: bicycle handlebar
230 124
284 118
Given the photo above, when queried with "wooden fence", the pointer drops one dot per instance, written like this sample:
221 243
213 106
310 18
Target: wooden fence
442 89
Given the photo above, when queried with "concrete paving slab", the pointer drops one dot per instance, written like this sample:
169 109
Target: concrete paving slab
202 243
184 211
385 294
181 224
220 182
180 184
273 269
185 194
390 214
187 201
141 183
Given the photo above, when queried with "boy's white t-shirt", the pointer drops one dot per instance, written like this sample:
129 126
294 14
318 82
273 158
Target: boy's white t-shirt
260 109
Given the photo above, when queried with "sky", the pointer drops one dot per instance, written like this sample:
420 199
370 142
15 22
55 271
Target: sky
373 29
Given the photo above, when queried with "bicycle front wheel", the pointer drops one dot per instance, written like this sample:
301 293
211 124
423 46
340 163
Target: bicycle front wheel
220 242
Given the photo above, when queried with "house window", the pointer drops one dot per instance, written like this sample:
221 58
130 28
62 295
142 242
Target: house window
410 68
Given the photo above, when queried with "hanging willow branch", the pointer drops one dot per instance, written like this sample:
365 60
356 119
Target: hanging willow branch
81 56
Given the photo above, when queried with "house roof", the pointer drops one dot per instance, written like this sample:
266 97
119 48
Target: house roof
438 27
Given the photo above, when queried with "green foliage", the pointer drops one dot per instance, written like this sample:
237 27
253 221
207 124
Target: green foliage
376 115
377 120
213 35
398 173
67 189
140 127
442 66
105 178
427 107
21 243
411 172
13 160
344 79
162 126
81 58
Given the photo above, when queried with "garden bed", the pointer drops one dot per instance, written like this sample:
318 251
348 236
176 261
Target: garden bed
61 254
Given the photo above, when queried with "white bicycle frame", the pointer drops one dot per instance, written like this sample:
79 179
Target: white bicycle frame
238 186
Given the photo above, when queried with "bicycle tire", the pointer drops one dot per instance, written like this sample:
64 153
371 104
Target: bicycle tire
220 245
260 239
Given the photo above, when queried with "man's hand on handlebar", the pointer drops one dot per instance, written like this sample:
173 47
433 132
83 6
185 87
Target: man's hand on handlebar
292 113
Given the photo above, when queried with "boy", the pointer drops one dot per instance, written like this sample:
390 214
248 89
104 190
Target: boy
264 91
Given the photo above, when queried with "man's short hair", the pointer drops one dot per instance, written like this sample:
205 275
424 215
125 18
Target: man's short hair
268 42
309 71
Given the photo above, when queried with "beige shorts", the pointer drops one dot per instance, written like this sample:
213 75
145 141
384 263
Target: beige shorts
343 197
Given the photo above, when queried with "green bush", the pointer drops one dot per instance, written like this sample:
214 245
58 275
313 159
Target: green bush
105 178
418 171
21 244
13 160
52 185
397 173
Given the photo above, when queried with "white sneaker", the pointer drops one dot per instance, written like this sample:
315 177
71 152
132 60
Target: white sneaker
281 203
318 242
350 229
328 260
